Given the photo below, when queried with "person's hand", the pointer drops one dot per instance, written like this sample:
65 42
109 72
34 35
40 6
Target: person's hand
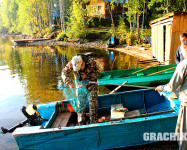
158 88
72 85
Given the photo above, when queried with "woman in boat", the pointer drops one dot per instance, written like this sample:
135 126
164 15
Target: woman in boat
179 56
179 80
84 68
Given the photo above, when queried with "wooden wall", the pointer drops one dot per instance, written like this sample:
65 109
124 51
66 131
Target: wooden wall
100 9
117 10
96 9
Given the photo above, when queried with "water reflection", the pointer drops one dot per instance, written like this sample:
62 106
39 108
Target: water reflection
32 75
39 68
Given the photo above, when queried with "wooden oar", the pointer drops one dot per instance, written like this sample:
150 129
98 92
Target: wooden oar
161 71
148 67
118 88
135 86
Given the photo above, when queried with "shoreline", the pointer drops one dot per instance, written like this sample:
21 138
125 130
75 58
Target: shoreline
141 52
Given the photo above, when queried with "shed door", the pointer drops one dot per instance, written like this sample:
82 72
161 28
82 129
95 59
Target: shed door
153 40
168 41
160 39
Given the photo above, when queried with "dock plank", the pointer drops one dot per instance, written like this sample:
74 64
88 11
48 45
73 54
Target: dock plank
30 40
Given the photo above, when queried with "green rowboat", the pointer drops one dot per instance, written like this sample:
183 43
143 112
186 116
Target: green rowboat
143 78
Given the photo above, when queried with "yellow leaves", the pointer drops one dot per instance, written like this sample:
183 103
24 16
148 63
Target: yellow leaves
76 29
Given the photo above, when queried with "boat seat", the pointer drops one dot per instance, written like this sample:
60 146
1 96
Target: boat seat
134 75
132 113
170 71
61 120
106 77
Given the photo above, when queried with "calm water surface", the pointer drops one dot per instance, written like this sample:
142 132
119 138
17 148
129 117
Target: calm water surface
32 75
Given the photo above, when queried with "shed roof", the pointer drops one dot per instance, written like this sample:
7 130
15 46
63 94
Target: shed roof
167 16
162 18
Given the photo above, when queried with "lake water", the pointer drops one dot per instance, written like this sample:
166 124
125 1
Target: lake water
32 75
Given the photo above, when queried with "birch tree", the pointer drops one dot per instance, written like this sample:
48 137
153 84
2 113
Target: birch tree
62 14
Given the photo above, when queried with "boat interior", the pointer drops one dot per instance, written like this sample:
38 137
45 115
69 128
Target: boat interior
132 72
140 103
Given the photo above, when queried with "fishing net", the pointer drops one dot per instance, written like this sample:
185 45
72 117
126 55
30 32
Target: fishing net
79 96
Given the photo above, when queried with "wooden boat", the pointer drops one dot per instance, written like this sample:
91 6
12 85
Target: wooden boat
156 114
142 78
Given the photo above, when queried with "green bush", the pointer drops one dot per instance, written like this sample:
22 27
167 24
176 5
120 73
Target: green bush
61 36
93 21
131 38
122 31
143 33
111 31
47 32
75 33
35 30
98 22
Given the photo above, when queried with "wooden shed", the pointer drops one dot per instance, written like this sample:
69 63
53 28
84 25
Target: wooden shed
99 8
165 35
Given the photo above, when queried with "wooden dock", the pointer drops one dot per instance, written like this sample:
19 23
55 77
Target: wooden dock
23 42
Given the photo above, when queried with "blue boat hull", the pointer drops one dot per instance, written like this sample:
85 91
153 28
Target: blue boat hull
107 135
102 137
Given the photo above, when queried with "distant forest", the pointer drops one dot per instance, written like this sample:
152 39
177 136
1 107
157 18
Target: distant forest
37 16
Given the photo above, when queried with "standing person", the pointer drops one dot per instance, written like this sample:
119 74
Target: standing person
84 68
179 80
179 53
